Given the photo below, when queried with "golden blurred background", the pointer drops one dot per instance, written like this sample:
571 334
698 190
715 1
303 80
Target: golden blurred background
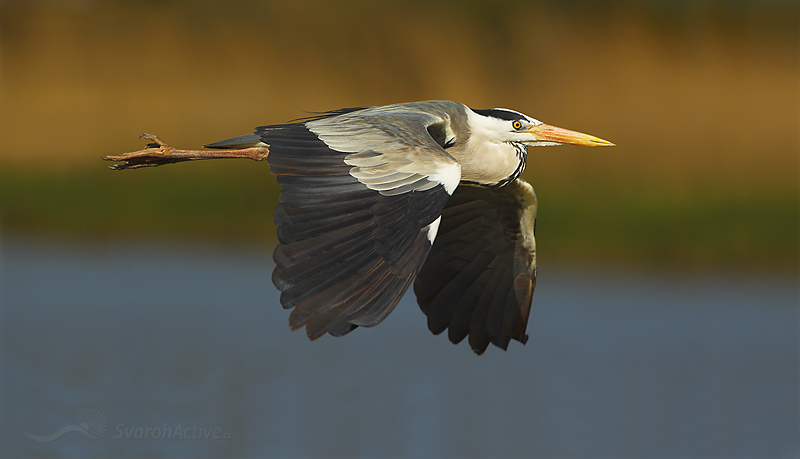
702 99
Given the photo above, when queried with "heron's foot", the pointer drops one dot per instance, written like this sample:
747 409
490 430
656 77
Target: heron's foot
155 142
155 153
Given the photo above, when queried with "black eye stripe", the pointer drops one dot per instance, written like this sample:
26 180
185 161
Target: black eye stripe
507 115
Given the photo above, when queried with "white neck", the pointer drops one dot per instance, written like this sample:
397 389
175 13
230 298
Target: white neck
487 158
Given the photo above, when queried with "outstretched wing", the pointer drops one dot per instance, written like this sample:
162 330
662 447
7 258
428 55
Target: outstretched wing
480 275
360 205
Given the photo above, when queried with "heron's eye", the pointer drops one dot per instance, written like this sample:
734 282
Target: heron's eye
517 124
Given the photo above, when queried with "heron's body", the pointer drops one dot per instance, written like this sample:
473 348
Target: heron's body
483 159
375 197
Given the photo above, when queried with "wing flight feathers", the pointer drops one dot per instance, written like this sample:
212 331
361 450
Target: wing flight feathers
479 278
358 203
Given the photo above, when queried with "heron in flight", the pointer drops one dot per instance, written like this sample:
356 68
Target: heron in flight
375 198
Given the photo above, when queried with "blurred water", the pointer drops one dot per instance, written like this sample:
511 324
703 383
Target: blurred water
193 340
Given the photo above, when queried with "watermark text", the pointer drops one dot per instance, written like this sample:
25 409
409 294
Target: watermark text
170 432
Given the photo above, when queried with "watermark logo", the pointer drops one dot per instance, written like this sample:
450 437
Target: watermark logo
91 423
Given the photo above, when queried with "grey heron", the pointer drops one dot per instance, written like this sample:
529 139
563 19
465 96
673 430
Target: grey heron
375 198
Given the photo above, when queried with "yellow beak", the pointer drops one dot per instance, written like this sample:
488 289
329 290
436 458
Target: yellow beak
547 133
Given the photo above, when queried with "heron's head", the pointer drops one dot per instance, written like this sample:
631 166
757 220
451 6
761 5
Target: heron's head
503 125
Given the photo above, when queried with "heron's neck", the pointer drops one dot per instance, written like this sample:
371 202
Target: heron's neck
490 163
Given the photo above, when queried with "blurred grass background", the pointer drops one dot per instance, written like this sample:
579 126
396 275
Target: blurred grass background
701 97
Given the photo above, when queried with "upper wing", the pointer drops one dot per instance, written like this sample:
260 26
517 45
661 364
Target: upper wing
360 206
480 275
